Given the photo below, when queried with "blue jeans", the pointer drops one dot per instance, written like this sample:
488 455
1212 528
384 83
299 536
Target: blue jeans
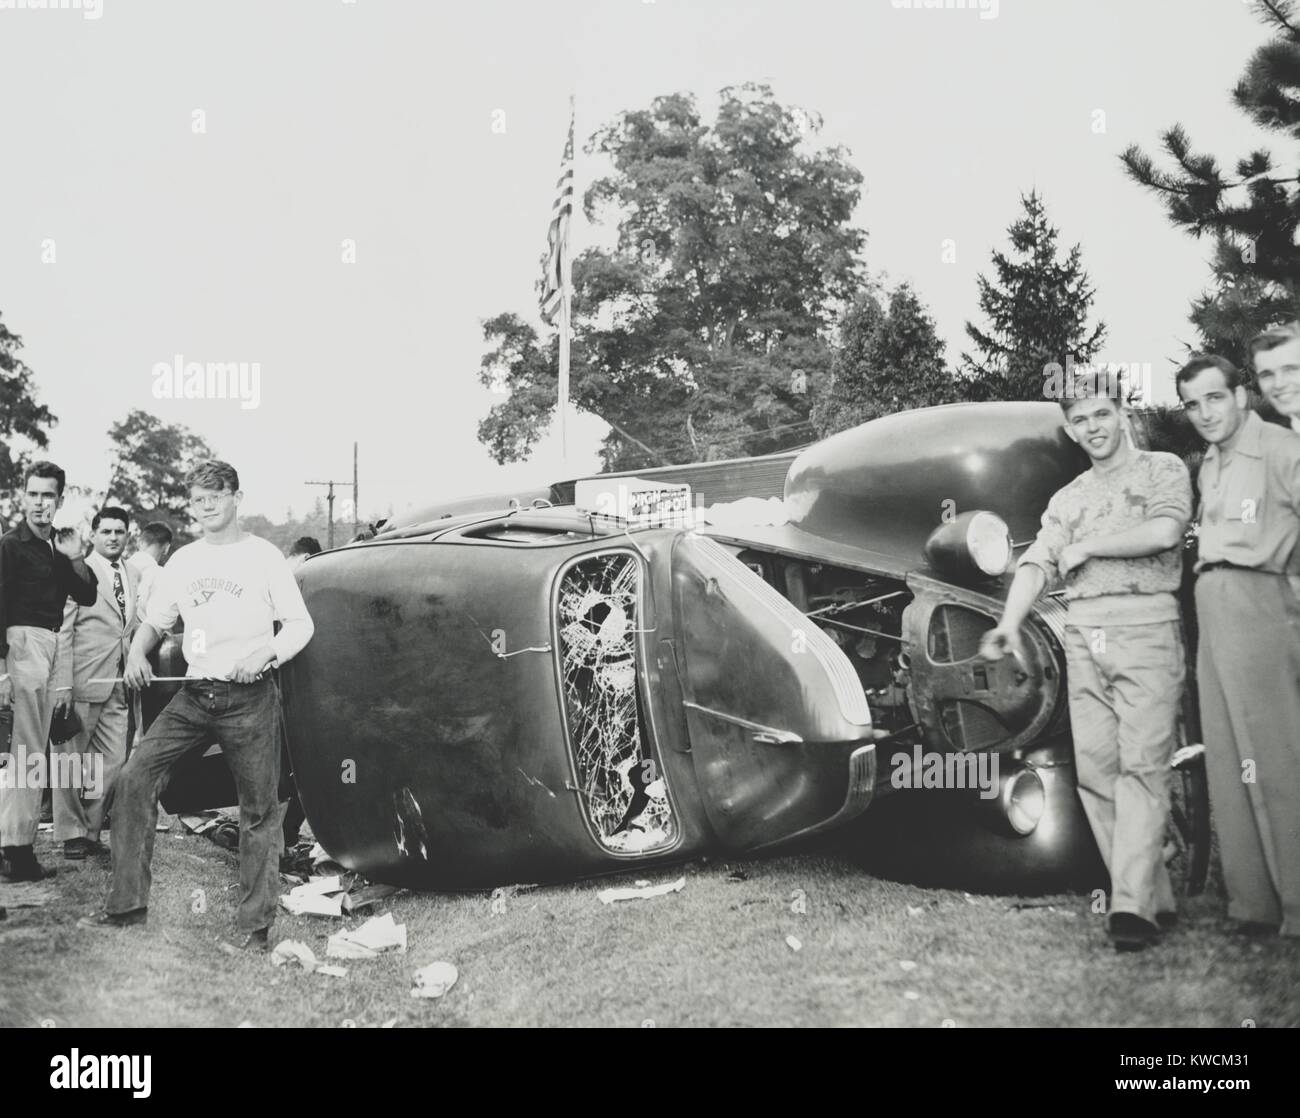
245 719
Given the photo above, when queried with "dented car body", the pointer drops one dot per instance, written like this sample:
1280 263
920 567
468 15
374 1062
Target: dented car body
530 698
538 692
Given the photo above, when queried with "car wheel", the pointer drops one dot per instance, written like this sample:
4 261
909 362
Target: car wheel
1187 846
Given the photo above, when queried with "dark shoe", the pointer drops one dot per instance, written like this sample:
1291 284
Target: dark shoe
75 850
1166 920
258 940
23 865
94 848
114 919
1129 932
1256 929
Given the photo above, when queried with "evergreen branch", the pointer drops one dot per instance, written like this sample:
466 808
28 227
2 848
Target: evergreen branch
1278 13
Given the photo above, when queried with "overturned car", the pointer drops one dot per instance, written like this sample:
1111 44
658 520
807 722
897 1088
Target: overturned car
550 689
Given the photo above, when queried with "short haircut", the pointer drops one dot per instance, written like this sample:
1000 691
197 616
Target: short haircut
157 532
1273 336
213 474
111 512
305 545
1088 383
46 469
1201 362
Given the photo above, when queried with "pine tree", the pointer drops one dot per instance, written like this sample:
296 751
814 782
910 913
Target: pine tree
1037 312
1252 216
887 361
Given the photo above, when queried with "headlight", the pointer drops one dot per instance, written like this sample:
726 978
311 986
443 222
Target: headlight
1023 800
974 544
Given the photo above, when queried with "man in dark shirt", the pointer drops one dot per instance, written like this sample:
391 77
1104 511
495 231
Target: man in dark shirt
35 581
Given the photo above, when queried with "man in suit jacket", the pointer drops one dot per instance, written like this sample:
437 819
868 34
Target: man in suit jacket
92 646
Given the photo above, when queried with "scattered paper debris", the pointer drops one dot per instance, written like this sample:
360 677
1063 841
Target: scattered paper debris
641 891
319 896
389 1023
794 943
970 899
911 995
434 980
907 964
294 951
376 935
913 910
332 970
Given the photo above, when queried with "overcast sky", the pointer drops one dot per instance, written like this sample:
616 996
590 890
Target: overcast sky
373 122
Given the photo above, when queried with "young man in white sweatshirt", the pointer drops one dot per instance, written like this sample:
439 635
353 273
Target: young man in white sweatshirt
229 587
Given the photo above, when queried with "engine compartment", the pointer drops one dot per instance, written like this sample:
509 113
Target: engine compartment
913 644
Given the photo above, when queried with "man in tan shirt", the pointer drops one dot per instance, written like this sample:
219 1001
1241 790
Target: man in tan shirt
1248 662
1115 536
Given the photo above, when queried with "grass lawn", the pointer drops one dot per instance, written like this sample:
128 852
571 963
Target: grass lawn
873 953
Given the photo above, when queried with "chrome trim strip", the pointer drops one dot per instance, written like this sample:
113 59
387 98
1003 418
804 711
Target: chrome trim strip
768 735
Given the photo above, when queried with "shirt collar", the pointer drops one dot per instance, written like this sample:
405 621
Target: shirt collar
103 564
26 534
1252 435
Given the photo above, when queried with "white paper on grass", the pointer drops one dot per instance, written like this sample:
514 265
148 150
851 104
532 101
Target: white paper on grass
376 935
312 898
293 951
609 896
318 885
434 980
312 904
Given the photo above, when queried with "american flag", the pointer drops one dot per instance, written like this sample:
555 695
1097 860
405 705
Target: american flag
554 276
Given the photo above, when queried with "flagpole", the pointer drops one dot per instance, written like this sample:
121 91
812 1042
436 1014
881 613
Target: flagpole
557 281
566 288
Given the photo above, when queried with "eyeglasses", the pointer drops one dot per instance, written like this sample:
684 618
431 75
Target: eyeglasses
208 502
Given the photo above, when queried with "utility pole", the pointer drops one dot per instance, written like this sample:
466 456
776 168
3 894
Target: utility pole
330 500
356 507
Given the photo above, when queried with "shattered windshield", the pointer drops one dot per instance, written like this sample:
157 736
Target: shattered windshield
624 795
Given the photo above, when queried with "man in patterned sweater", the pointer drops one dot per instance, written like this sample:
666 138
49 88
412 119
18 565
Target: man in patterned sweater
1115 536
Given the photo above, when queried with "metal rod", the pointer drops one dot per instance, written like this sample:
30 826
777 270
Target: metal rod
162 679
860 629
844 607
